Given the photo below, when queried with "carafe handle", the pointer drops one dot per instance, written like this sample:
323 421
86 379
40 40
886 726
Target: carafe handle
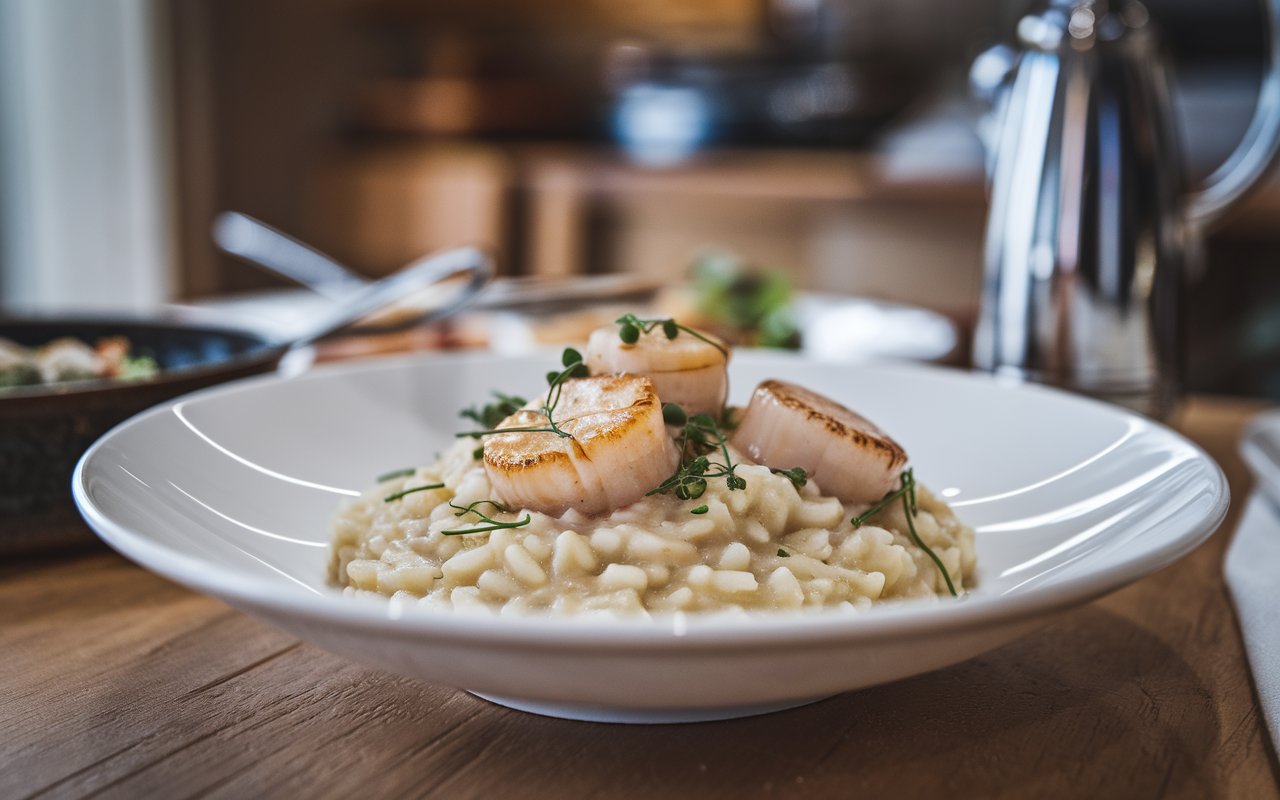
1246 165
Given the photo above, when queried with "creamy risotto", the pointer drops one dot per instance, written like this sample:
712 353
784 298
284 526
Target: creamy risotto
627 486
768 546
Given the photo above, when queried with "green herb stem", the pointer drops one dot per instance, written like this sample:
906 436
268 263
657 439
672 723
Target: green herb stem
633 326
530 429
878 507
915 537
395 473
493 526
700 436
697 335
488 523
907 493
403 492
472 507
574 368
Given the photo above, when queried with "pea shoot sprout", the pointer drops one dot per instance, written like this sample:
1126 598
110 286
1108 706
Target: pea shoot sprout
395 473
574 367
633 327
699 437
907 494
487 523
403 492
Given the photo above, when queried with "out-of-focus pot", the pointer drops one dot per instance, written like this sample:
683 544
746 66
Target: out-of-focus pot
45 429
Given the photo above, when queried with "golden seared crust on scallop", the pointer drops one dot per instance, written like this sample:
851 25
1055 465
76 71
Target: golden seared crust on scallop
617 449
788 426
686 370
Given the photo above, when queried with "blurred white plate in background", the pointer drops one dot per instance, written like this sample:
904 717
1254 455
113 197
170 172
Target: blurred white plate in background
832 328
857 329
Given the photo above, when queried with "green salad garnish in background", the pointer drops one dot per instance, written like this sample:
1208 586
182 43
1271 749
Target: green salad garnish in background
753 305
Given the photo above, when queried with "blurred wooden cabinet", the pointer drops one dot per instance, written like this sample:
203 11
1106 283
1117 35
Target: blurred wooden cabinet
383 208
384 129
830 219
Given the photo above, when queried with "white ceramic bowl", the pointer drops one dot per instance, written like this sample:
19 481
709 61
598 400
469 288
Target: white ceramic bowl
230 492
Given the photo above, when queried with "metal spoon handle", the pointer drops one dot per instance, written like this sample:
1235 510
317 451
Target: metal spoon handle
471 261
260 244
354 297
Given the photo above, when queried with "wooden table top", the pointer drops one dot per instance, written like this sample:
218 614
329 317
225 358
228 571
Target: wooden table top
116 682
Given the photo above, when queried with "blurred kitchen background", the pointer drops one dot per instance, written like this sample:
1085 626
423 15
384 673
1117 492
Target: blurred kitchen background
832 140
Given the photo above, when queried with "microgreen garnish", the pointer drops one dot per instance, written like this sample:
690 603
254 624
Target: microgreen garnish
882 505
915 537
729 418
574 367
796 475
673 414
471 508
403 492
699 438
633 326
395 473
493 413
783 553
907 493
488 523
699 510
478 453
495 526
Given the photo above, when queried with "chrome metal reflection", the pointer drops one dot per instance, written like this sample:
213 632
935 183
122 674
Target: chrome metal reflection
1091 224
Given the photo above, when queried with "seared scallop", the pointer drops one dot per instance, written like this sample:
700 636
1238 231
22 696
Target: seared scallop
616 451
686 370
789 426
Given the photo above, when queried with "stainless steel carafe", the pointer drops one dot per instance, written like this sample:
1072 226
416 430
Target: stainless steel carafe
1091 225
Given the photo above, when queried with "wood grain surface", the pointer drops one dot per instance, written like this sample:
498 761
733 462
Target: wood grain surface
117 683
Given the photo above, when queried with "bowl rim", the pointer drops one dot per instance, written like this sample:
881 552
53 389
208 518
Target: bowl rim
674 632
